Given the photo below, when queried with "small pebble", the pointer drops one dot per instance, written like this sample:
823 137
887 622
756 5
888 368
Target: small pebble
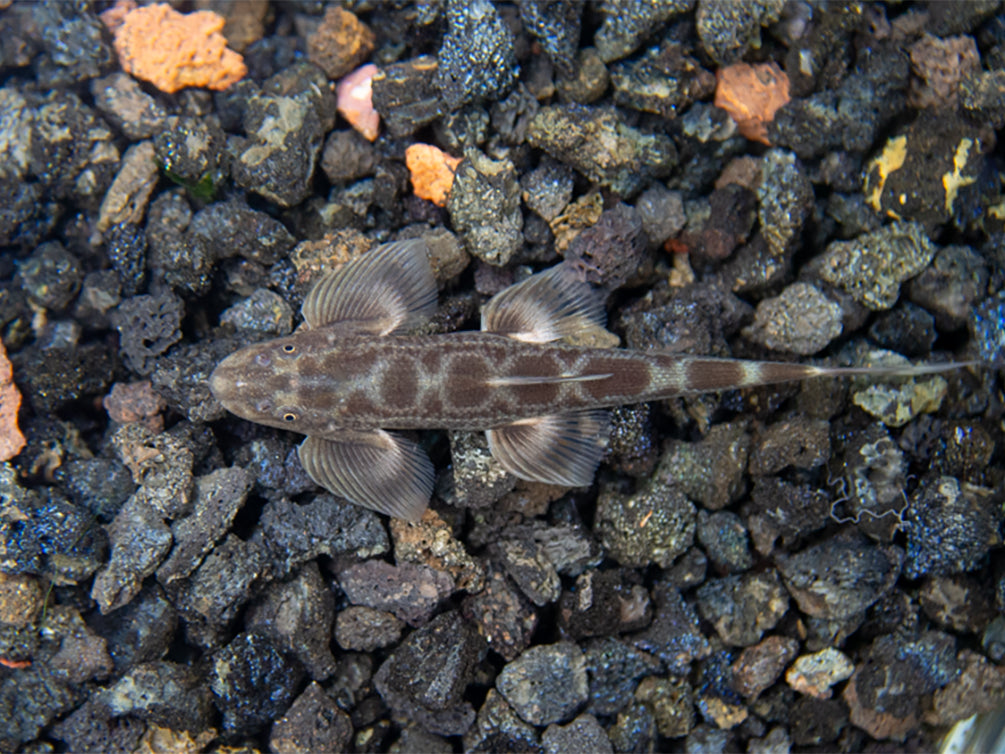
173 50
841 576
498 726
406 95
364 629
51 276
655 525
348 156
872 267
340 43
135 402
218 588
355 101
743 607
297 615
798 442
950 527
634 729
588 81
597 143
21 599
556 28
626 24
285 136
148 326
476 59
661 212
263 311
432 172
312 723
665 81
530 568
430 541
615 669
412 592
546 684
752 94
190 151
161 692
427 675
253 683
897 403
603 603
127 198
296 533
484 207
952 286
611 251
711 470
724 538
675 635
814 674
582 734
672 703
799 320
759 666
11 439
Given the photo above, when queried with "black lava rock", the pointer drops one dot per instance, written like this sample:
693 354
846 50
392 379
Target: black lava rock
100 485
51 276
476 59
426 676
950 527
127 251
253 683
148 326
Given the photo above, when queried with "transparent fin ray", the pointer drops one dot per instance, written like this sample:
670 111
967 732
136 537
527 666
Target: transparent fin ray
545 307
375 469
389 289
559 449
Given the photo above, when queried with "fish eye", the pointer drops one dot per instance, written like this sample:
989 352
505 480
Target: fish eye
289 416
289 348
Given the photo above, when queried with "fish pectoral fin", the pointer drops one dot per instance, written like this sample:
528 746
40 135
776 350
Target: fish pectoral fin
392 288
548 306
375 469
556 449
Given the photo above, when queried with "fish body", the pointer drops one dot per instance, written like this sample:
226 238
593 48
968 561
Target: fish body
464 381
355 372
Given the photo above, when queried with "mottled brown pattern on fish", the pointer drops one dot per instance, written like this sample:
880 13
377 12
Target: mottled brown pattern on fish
458 381
355 371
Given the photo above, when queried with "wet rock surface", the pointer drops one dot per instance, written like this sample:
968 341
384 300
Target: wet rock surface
807 566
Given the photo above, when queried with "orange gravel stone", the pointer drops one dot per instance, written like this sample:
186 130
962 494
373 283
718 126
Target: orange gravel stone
11 439
174 50
752 94
432 172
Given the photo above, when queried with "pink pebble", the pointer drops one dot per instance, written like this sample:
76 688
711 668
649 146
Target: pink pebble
355 101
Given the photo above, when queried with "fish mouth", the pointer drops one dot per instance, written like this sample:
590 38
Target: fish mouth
227 382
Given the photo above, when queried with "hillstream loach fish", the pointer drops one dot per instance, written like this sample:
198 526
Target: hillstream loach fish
355 371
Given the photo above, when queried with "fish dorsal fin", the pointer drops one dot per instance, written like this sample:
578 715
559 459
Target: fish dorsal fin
391 288
548 306
375 469
556 449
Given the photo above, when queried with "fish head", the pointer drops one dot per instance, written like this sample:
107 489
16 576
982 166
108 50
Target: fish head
261 383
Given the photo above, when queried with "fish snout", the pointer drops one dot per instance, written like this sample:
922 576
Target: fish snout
227 382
